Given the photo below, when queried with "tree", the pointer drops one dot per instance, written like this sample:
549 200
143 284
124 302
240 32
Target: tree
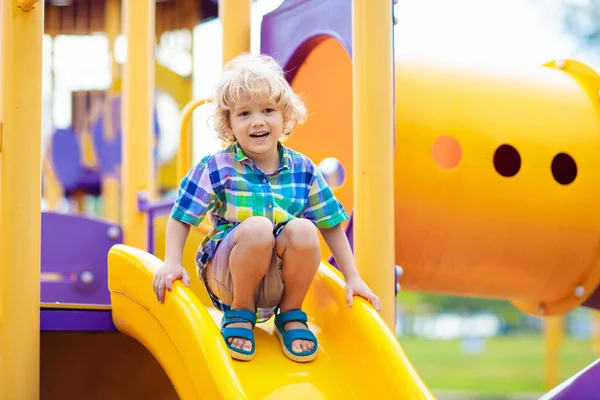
582 20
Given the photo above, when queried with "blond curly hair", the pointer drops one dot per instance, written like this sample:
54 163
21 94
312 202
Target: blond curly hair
255 78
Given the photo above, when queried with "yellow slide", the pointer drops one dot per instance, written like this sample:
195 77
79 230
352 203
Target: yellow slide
359 358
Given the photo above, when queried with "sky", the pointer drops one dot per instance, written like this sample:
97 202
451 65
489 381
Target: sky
494 34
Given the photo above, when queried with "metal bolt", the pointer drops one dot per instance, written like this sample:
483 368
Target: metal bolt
399 271
397 288
541 309
87 277
113 232
579 291
142 196
559 64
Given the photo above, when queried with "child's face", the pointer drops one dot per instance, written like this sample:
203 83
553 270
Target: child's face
257 126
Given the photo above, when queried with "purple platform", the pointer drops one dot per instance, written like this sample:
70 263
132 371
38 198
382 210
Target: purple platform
76 320
583 386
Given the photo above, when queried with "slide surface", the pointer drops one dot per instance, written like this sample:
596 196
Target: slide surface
358 355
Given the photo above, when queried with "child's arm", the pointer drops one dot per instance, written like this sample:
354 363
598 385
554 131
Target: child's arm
172 269
340 248
176 236
195 197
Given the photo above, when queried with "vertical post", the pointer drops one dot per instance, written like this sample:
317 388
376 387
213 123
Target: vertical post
22 28
374 149
112 18
53 191
553 330
136 115
110 182
235 16
595 330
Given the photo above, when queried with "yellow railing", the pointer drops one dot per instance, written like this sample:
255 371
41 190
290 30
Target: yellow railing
184 156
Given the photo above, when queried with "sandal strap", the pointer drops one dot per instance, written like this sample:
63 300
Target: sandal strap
289 316
302 334
242 333
241 315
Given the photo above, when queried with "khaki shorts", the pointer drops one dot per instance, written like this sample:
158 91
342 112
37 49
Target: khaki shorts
218 278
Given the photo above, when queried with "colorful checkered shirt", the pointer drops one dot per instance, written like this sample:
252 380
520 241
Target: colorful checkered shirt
230 187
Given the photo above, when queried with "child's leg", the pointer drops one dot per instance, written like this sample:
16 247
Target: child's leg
240 267
298 246
250 259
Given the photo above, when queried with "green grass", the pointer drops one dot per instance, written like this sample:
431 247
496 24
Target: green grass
507 365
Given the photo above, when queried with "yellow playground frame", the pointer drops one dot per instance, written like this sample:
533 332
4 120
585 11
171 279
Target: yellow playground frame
186 323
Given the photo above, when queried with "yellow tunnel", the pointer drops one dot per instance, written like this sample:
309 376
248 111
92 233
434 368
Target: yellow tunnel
497 174
497 183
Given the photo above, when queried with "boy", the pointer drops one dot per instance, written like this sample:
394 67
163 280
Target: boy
267 203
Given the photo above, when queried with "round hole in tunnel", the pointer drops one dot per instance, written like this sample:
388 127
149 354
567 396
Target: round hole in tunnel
447 152
333 171
507 161
564 168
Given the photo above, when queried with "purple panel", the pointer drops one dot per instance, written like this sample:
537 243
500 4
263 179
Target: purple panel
89 182
291 31
209 9
74 258
76 320
67 163
594 300
583 386
109 151
66 158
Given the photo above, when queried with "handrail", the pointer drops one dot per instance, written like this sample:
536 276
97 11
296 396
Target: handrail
184 155
26 5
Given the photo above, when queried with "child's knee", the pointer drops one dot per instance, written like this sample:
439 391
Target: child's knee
256 232
302 235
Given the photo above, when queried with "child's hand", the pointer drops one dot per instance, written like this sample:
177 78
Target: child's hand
165 275
358 287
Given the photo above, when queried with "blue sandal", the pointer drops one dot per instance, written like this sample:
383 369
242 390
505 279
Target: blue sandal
287 337
233 316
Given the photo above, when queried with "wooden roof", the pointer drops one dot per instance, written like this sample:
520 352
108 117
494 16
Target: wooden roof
84 17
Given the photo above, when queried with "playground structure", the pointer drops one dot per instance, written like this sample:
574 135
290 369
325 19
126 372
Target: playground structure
494 190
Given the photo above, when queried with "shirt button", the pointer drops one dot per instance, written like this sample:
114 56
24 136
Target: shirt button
264 180
270 205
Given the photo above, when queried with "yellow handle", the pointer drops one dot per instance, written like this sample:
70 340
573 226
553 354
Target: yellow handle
184 156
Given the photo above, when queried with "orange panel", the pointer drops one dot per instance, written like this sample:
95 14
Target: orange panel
325 82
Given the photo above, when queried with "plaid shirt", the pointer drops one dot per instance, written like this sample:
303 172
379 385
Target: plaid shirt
234 188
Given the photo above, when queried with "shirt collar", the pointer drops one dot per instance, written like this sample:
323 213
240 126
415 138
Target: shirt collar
284 155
